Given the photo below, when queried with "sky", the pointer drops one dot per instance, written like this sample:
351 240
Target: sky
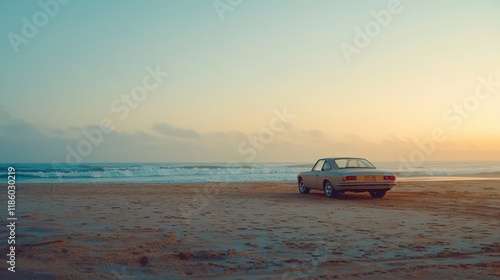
254 81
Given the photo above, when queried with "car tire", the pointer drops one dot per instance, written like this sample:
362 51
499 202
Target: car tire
303 189
377 193
330 191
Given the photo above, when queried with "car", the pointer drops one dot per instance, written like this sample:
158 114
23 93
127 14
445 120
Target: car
346 174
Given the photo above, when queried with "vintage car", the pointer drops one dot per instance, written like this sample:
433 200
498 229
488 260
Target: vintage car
338 175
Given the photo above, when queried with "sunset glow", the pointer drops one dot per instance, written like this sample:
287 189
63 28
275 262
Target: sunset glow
184 81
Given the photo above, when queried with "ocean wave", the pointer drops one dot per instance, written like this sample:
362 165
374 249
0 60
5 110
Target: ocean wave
201 167
430 173
148 170
488 174
210 172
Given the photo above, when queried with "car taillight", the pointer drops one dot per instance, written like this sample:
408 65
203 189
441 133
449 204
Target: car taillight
390 178
349 178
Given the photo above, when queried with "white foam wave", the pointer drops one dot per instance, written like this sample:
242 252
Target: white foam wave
214 172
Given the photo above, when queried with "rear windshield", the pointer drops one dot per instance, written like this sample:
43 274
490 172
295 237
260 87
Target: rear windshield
353 163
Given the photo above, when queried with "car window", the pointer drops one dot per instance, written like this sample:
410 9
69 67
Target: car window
341 163
319 165
327 166
365 163
353 163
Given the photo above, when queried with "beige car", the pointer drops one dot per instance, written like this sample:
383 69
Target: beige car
338 175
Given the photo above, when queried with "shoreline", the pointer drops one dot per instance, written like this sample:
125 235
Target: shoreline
446 178
189 172
398 180
253 230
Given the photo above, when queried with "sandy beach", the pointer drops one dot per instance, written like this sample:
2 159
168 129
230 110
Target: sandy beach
419 230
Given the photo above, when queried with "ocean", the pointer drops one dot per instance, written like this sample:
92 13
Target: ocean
219 172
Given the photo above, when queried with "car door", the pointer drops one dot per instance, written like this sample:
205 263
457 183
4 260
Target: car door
324 174
311 181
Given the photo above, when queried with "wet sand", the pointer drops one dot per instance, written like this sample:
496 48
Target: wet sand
419 230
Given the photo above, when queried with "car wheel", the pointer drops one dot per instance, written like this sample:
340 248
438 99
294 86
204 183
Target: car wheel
377 193
303 189
330 192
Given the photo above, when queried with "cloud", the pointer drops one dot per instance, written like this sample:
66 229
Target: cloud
21 141
168 130
4 114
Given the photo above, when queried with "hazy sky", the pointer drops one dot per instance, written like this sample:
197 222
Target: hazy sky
256 80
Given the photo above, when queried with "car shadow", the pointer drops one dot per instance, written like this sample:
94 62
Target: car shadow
320 196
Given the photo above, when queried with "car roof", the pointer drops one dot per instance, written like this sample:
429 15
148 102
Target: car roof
334 158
